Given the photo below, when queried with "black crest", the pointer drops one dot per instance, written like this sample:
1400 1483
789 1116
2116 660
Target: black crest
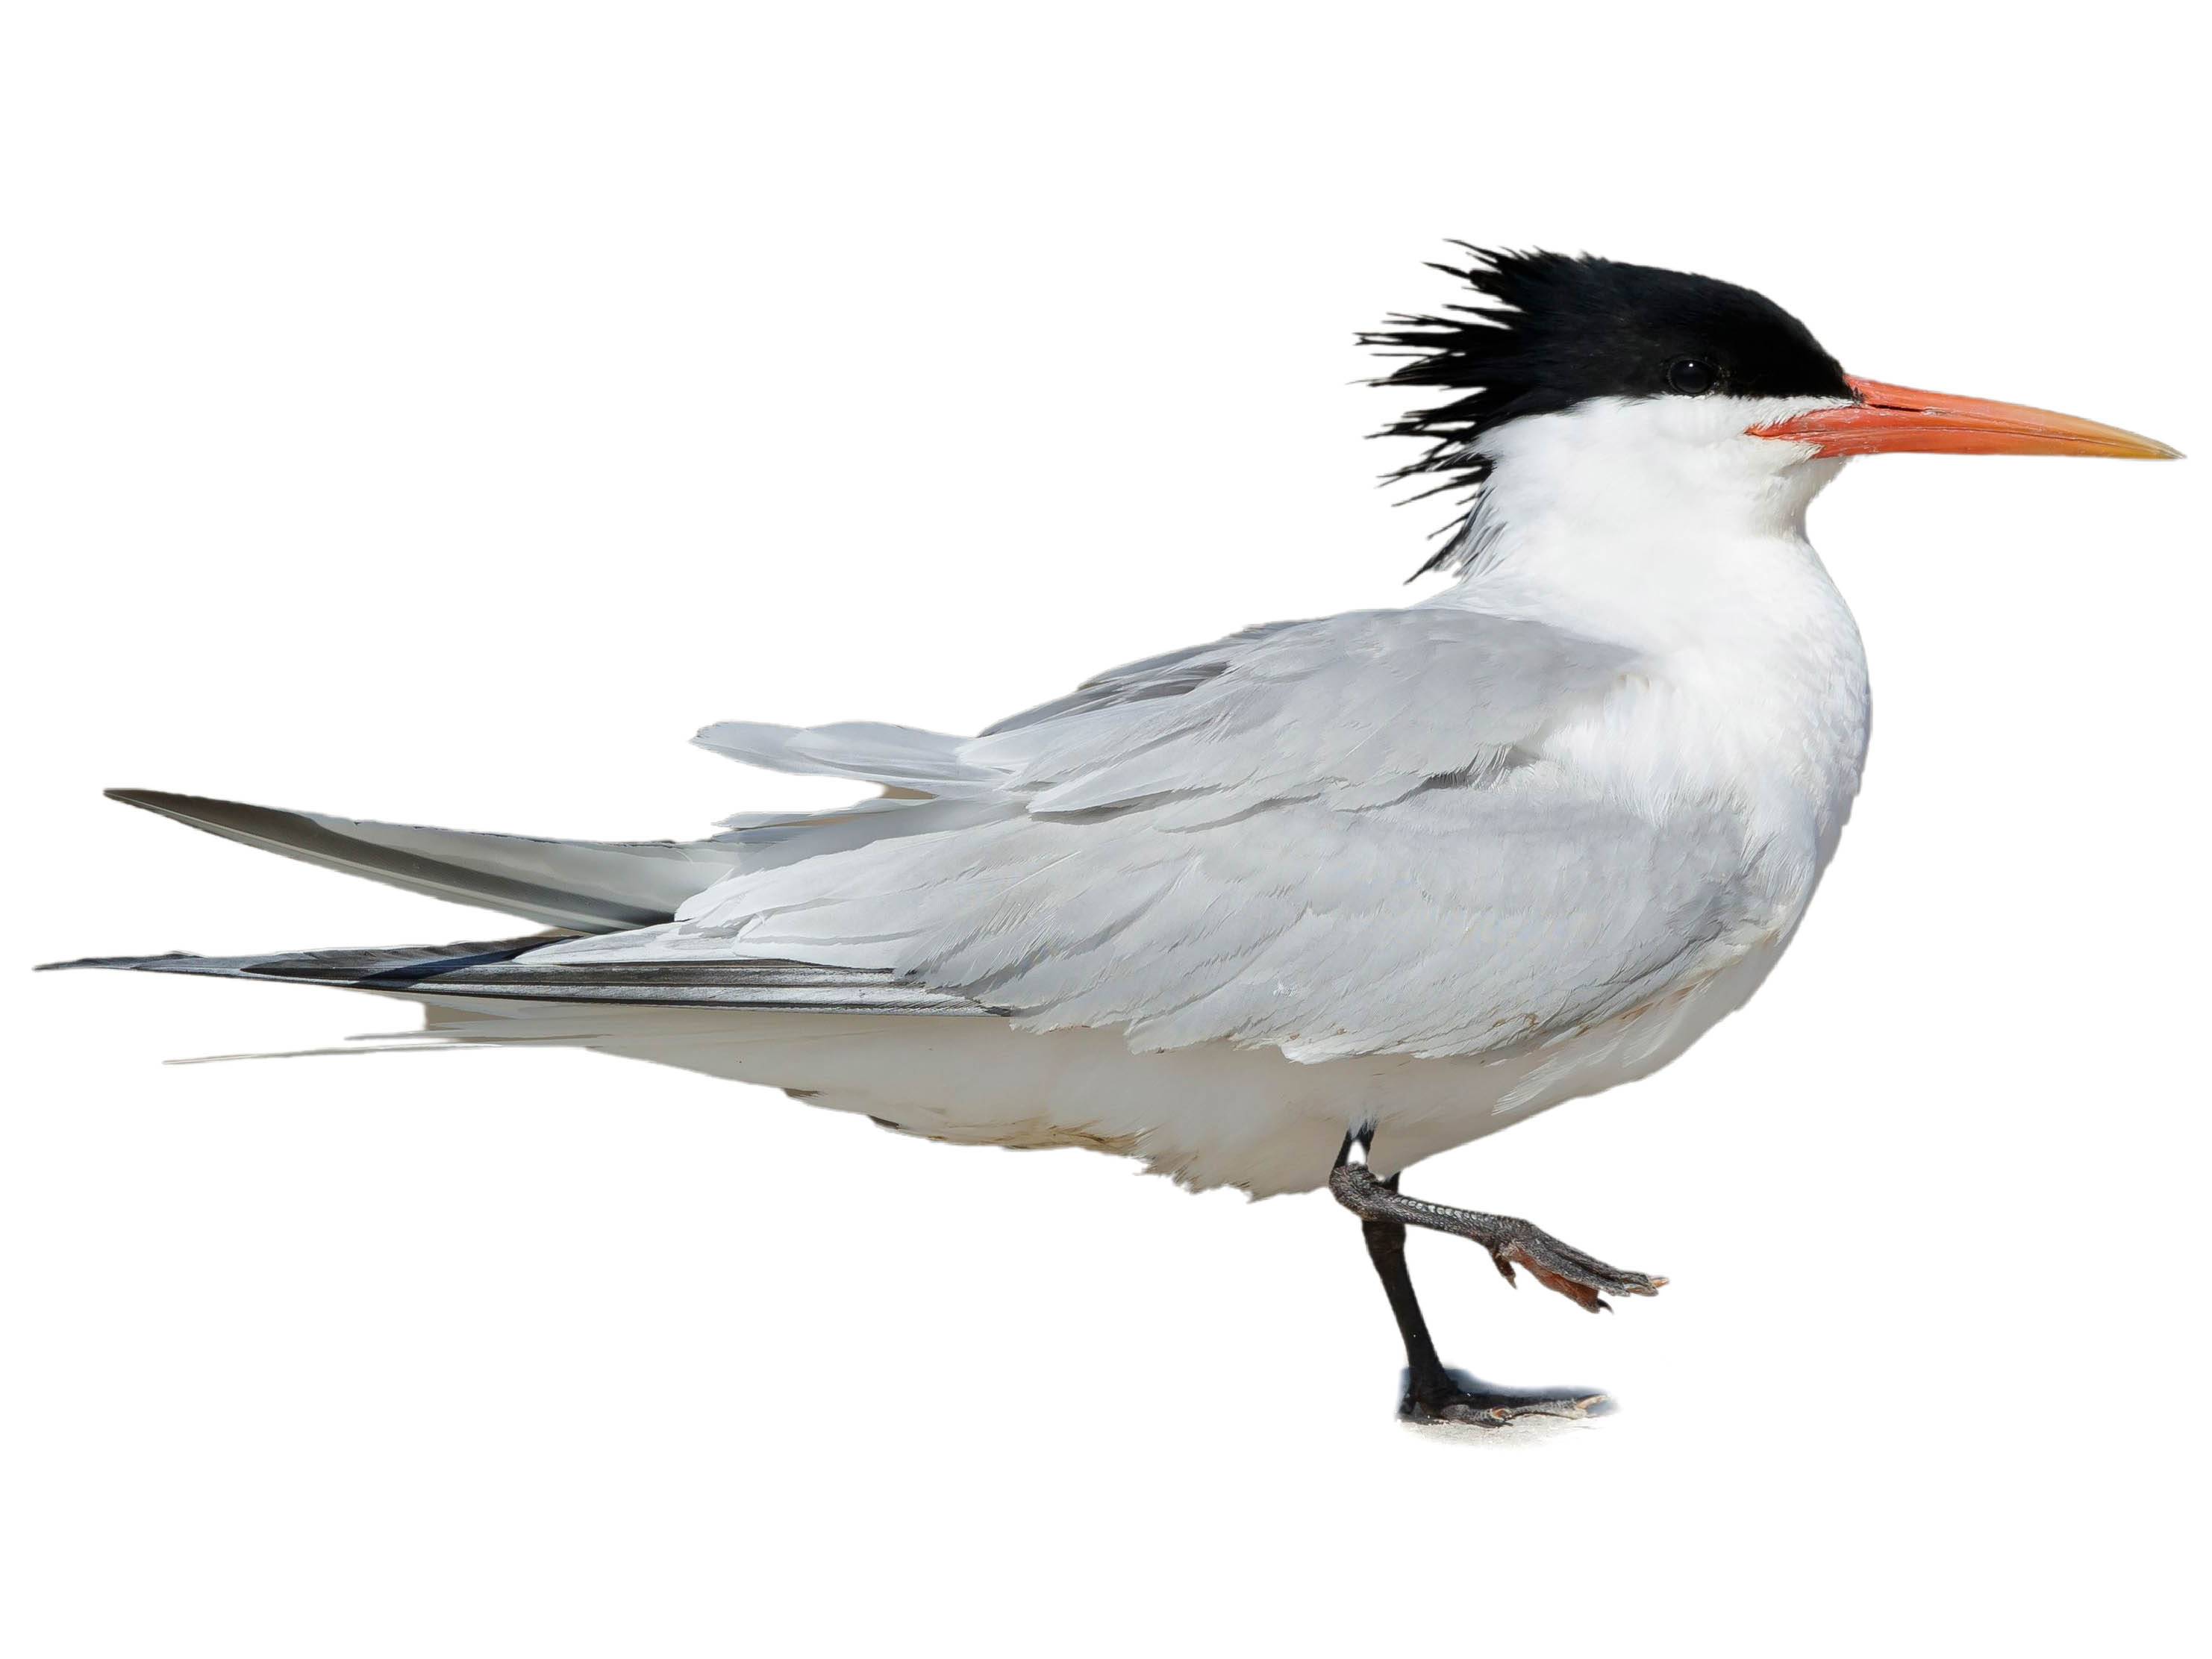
1546 331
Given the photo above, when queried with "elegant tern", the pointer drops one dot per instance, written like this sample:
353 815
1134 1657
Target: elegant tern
1301 906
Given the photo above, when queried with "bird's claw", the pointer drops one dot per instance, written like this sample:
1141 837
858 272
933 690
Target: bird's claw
1582 1278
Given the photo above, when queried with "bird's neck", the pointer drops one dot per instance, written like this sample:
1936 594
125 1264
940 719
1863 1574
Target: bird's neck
1751 685
1632 511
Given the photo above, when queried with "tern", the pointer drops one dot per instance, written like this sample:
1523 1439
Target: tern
1302 906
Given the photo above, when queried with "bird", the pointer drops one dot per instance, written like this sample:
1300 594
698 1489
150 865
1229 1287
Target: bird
1297 909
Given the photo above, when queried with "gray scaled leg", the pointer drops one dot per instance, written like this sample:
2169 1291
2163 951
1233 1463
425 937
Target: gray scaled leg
1435 1394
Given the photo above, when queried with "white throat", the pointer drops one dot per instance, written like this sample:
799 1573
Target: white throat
1661 524
1628 499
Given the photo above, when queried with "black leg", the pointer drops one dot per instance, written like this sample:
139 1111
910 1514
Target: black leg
1435 1394
1386 1247
1510 1240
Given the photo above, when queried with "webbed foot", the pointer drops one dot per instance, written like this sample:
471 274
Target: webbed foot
1455 1397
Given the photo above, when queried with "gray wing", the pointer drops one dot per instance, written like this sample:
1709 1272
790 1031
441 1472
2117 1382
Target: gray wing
1334 837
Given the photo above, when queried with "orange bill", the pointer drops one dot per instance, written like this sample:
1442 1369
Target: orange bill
1895 419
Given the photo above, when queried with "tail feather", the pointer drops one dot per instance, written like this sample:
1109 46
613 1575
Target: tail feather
593 887
904 758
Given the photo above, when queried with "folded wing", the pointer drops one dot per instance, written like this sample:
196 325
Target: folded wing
1342 836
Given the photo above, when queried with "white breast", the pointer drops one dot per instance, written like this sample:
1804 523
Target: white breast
1662 526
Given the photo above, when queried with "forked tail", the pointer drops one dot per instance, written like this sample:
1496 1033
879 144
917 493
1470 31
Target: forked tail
591 887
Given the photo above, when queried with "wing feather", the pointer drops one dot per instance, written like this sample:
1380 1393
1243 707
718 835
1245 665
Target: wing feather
1335 838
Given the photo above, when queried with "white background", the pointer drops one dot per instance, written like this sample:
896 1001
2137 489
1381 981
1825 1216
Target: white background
435 413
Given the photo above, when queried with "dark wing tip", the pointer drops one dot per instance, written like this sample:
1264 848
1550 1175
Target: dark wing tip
369 969
198 809
152 963
502 970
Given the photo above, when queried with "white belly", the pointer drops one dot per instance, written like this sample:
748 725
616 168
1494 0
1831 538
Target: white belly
1212 1115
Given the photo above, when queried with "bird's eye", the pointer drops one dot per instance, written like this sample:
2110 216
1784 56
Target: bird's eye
1692 377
